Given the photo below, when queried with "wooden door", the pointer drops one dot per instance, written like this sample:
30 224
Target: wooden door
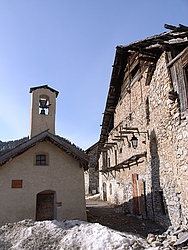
45 206
141 198
135 194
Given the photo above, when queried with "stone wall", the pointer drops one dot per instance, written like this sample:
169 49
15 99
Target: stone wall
162 175
92 174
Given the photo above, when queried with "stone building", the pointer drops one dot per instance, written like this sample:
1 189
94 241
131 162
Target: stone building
92 174
143 149
43 177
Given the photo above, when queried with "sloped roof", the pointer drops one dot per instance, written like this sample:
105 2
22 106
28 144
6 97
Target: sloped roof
152 47
91 147
178 36
46 136
44 87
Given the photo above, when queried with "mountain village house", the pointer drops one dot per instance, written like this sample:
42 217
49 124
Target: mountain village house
43 177
142 152
143 149
92 174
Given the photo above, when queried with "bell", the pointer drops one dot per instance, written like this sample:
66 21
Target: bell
43 103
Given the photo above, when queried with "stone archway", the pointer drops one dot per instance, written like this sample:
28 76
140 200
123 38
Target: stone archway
45 205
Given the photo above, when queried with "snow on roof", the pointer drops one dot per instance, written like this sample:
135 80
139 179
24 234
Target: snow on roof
66 234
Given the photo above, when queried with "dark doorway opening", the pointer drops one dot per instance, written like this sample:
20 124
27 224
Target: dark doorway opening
104 192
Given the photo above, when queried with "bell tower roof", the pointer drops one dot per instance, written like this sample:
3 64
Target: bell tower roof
44 87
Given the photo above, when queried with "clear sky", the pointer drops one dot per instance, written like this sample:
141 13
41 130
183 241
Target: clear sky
70 45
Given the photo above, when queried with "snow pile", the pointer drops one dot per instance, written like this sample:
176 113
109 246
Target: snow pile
28 234
93 197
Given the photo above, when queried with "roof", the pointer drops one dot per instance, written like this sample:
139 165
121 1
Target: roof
54 139
178 36
151 48
44 87
91 147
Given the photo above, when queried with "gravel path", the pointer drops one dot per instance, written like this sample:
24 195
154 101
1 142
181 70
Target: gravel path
115 218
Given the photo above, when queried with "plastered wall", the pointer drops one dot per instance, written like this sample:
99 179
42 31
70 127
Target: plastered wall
63 175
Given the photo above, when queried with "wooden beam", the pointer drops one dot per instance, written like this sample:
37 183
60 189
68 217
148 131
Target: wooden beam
126 132
170 27
117 139
176 58
147 58
183 27
111 143
130 128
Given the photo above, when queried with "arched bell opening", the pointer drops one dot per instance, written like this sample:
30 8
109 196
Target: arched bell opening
44 104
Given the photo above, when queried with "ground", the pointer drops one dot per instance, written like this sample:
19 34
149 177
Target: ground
122 231
115 218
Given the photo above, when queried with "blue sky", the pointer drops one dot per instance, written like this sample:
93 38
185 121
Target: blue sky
70 45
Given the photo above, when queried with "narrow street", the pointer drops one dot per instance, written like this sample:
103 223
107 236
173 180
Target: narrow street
114 217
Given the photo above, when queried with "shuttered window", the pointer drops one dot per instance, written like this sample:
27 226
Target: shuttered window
179 73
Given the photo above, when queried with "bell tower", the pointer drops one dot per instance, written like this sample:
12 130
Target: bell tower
43 109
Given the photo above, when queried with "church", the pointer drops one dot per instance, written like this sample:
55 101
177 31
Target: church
43 177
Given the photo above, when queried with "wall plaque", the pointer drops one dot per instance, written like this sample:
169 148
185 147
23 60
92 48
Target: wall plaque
17 183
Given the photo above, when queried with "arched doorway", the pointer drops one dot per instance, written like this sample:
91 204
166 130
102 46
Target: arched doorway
45 205
104 192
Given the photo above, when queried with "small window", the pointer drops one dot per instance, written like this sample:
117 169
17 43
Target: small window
104 159
147 111
115 157
40 160
108 162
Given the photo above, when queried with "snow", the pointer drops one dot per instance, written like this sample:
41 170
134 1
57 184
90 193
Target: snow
66 234
91 197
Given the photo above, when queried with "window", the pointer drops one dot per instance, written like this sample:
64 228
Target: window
115 157
40 160
147 111
179 74
104 159
108 162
